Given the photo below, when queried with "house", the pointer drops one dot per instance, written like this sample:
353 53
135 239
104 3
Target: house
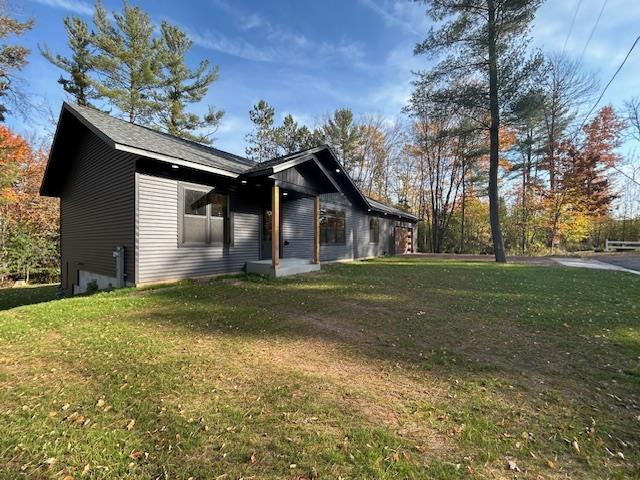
139 207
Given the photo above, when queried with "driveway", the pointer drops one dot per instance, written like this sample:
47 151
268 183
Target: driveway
630 261
624 262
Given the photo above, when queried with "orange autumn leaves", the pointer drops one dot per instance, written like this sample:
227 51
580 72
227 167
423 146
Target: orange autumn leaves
21 171
28 222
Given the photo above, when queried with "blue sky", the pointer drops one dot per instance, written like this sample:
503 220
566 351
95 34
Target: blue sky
308 58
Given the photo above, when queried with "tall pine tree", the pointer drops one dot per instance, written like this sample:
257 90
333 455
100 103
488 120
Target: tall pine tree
127 62
78 66
343 135
290 137
485 68
181 86
262 145
12 59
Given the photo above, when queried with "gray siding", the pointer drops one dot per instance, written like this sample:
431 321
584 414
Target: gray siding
297 228
363 247
160 258
97 211
343 251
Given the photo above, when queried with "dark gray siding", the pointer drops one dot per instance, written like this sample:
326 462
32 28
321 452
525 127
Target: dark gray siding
160 258
343 251
97 211
295 177
363 247
297 228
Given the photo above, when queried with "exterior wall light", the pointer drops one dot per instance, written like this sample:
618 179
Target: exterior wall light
175 167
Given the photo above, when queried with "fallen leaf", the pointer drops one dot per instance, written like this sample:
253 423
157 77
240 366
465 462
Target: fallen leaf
253 458
575 445
551 464
86 469
135 455
512 465
100 403
131 424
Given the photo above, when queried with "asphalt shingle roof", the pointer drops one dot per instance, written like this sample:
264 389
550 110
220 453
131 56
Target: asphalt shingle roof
386 208
137 136
144 138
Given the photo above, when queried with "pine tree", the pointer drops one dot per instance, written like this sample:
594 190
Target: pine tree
290 137
181 86
12 59
486 69
343 135
127 62
78 82
262 144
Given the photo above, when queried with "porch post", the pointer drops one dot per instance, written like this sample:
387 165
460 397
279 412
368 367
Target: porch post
275 226
316 230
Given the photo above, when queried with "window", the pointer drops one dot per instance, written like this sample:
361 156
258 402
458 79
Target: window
205 218
374 230
332 226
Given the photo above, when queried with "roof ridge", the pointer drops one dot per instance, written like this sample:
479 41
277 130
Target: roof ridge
191 143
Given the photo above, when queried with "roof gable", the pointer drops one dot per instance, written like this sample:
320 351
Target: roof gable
143 141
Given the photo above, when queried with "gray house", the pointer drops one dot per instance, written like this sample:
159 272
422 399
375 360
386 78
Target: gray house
140 207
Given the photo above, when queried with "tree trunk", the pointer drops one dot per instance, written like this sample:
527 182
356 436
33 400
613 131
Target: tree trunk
462 208
494 136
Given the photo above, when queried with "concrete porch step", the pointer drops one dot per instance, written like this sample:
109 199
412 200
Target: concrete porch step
288 266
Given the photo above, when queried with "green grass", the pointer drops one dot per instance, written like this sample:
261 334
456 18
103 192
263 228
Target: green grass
15 297
393 368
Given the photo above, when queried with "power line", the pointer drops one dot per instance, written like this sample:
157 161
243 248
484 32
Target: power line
610 81
573 21
624 174
595 26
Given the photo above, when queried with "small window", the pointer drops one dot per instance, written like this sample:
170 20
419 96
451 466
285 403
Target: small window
205 218
374 230
332 226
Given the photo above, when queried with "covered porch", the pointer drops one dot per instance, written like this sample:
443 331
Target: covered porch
297 179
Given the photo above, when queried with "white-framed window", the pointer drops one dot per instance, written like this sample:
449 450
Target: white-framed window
203 217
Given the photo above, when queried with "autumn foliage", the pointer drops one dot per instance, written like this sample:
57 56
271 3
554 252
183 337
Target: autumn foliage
28 222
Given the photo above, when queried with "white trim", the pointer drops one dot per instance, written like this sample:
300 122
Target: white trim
174 160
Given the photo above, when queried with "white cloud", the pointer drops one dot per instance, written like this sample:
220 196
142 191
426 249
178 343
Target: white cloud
406 15
76 6
277 43
252 21
236 47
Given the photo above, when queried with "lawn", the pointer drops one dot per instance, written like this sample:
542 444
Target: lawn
393 368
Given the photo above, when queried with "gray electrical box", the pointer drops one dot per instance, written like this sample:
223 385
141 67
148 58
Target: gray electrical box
118 254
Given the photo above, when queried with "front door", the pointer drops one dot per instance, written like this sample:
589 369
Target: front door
265 242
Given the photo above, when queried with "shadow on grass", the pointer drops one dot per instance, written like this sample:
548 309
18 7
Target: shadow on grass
544 351
551 332
19 296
